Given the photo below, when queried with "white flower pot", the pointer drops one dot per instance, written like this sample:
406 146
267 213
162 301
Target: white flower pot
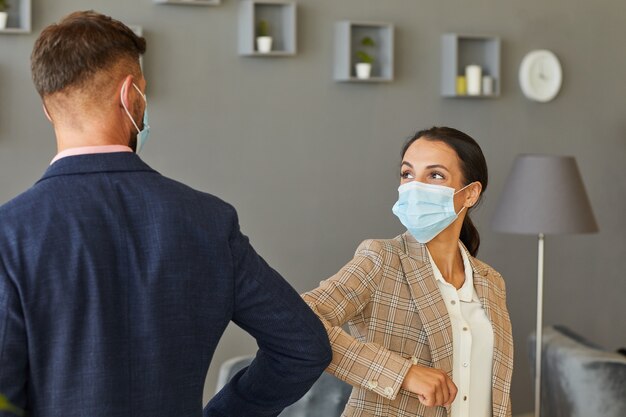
3 20
264 44
363 70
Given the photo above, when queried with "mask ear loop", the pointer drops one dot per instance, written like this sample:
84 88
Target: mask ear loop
464 206
456 192
126 109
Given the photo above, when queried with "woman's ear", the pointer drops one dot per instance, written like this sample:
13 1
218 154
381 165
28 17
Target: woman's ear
473 194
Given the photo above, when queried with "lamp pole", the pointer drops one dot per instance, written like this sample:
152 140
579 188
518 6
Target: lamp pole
538 341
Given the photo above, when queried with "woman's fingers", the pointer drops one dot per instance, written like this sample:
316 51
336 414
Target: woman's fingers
453 391
433 386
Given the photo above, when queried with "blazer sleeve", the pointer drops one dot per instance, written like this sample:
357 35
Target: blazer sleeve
293 345
341 298
13 349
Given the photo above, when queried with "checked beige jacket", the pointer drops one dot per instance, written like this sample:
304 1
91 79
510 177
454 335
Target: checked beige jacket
390 299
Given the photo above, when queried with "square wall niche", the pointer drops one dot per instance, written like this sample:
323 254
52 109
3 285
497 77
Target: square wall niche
348 42
459 51
280 18
18 21
191 2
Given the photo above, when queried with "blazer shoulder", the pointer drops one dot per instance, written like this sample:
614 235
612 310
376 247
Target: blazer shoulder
21 203
384 252
378 247
208 202
490 273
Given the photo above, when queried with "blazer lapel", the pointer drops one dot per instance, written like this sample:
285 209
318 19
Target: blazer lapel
429 302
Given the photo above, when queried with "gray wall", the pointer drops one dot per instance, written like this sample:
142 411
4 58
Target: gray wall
311 164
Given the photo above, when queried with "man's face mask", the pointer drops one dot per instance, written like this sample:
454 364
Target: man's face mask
142 134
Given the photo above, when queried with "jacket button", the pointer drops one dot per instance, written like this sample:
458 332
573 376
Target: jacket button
388 391
372 384
413 360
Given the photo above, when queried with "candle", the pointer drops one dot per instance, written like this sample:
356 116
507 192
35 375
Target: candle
488 89
473 74
461 85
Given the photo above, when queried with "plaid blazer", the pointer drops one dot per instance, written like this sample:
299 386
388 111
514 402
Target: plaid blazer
397 317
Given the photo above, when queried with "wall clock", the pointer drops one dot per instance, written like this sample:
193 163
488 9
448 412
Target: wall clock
540 75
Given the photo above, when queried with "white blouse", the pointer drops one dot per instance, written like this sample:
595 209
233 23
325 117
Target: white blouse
472 340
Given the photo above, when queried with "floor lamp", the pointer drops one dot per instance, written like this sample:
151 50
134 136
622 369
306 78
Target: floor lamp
543 195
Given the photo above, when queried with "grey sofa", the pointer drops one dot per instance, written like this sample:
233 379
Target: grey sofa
326 398
579 378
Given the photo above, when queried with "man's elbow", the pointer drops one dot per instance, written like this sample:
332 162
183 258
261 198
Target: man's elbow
322 354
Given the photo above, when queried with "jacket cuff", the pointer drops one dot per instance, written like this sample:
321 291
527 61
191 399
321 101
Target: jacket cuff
390 375
367 365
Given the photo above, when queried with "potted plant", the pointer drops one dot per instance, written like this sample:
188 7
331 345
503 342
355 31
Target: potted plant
3 14
364 60
263 40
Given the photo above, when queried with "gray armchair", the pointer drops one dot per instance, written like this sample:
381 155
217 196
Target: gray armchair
578 378
326 398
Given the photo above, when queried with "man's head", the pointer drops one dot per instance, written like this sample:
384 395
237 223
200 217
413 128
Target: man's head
79 66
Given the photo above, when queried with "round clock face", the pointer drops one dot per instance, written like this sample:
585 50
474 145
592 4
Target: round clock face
540 75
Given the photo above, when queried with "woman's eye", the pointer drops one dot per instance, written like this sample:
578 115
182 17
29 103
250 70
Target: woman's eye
436 176
406 175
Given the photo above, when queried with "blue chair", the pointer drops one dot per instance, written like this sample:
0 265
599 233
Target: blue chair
326 398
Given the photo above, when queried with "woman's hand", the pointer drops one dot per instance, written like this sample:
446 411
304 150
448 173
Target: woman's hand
432 386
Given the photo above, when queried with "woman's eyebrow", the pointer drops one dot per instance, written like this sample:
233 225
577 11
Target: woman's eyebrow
437 166
407 164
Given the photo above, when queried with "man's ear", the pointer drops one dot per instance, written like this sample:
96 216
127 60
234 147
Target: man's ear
45 111
127 86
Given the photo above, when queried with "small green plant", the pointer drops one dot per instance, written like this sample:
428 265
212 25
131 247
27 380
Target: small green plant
363 56
4 6
5 404
263 28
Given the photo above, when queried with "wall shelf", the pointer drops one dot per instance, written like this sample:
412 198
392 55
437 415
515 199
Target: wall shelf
190 2
348 38
280 15
459 51
19 20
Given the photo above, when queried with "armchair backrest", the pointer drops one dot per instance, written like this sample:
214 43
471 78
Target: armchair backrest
326 398
578 378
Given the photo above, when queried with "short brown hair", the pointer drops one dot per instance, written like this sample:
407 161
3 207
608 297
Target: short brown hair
82 44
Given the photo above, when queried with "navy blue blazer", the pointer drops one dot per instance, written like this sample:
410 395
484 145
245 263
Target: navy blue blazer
116 284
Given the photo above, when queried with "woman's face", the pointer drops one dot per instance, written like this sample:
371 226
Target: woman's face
432 162
435 162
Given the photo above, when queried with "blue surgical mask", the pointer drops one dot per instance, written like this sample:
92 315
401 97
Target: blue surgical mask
143 134
425 209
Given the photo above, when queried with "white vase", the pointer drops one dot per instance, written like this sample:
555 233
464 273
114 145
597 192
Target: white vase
264 44
363 70
3 20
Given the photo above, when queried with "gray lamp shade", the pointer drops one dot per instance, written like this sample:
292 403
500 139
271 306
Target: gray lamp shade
544 194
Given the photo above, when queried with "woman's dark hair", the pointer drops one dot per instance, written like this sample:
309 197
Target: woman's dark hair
473 167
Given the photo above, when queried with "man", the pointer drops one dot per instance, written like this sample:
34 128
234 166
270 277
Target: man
116 283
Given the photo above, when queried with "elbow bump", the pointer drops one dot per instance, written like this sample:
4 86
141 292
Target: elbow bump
325 355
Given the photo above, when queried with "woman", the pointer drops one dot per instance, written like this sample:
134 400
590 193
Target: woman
429 328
